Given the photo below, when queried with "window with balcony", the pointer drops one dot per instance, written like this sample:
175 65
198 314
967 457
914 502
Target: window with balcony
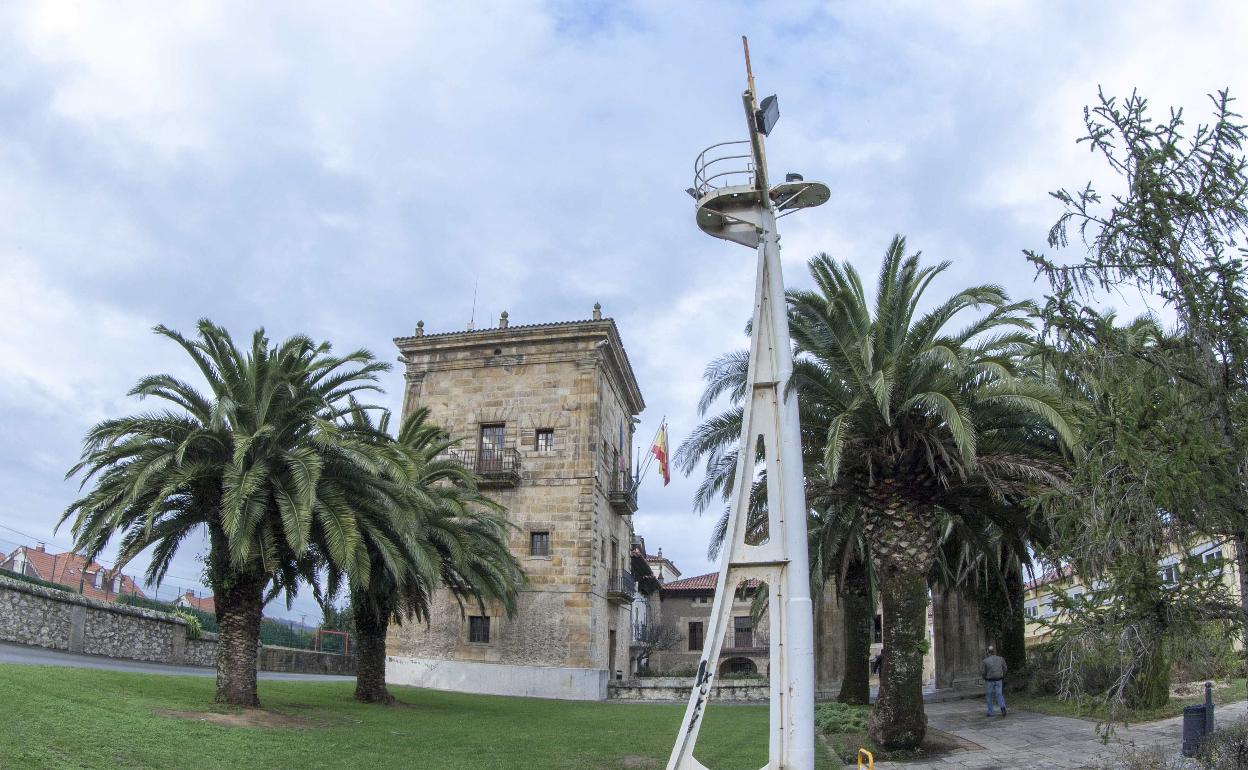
545 439
490 447
478 629
695 636
539 544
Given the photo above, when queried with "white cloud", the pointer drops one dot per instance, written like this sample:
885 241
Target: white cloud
347 171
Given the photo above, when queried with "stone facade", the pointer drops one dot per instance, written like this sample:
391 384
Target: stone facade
684 607
545 413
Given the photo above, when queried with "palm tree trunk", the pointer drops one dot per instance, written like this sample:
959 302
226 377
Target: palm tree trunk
857 613
239 608
370 672
897 720
1013 641
903 543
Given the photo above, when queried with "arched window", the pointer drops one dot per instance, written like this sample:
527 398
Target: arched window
738 666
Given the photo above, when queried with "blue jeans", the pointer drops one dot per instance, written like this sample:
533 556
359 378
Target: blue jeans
994 688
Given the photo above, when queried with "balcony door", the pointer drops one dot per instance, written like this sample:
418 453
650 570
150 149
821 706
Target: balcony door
490 448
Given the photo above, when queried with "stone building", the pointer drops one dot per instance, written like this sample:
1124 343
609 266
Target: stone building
687 609
545 414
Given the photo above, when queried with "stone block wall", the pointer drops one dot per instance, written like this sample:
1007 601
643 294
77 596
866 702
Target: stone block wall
59 620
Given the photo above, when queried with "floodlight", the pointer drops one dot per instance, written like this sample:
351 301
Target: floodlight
766 115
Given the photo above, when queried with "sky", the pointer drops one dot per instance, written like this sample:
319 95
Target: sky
346 170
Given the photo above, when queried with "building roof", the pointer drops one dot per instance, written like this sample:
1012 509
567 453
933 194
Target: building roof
1049 576
701 584
72 571
203 604
617 355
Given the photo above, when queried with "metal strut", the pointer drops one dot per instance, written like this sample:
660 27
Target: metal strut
770 423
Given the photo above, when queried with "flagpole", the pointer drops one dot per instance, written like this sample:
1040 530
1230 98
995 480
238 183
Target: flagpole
645 468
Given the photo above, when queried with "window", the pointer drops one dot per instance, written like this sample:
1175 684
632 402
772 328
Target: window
695 636
539 544
1213 561
604 550
492 440
1170 573
742 632
478 629
545 439
116 584
1030 611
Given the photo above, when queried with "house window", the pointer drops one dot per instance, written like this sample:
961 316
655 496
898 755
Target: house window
478 629
1213 561
116 584
742 632
539 544
1170 574
695 635
490 446
545 439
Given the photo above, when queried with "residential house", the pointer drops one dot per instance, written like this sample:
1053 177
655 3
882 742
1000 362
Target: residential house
92 579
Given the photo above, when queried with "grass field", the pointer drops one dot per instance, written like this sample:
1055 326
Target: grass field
77 718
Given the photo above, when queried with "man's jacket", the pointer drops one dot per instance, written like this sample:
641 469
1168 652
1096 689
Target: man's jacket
994 668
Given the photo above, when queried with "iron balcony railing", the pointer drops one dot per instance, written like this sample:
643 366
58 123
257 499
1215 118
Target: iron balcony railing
494 466
622 493
621 585
746 641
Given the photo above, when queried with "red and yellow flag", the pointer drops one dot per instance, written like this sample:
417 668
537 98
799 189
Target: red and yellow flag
659 450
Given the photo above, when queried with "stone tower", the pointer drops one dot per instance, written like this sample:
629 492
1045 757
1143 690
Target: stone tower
544 413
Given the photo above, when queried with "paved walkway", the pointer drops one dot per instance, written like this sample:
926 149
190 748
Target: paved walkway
38 656
1038 742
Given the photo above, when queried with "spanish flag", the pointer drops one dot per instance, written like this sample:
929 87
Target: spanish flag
659 450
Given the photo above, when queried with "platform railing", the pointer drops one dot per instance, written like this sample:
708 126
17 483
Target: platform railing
719 166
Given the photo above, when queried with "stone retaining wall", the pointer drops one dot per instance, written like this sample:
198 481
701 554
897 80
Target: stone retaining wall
678 688
60 620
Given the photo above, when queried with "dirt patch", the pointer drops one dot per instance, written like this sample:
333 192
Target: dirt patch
243 718
935 744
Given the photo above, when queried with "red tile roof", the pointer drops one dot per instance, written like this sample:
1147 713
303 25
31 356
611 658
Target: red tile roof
701 583
203 604
1048 577
71 571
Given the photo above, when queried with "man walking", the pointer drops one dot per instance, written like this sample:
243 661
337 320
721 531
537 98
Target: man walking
994 669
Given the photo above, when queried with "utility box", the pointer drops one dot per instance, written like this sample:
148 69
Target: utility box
1195 727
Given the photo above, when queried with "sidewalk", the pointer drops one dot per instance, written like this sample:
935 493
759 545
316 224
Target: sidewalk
1033 741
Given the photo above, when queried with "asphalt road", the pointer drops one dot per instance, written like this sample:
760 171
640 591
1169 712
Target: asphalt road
38 656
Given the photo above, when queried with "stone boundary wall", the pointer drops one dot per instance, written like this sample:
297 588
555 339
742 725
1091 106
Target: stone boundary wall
59 620
678 688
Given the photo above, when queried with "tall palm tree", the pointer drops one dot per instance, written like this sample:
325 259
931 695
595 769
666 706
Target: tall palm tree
263 460
922 423
441 533
910 425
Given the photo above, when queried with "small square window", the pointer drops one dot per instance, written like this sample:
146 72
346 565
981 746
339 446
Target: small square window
478 629
545 439
539 544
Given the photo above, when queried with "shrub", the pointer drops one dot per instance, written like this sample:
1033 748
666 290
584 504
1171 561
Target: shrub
841 718
1227 748
194 629
35 581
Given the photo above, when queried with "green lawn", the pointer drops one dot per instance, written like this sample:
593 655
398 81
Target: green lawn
1092 709
78 718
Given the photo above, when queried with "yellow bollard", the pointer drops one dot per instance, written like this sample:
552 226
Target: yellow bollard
870 759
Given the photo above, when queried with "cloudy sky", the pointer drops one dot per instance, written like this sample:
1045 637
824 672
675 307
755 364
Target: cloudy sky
346 170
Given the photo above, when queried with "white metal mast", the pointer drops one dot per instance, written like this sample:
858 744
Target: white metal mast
736 203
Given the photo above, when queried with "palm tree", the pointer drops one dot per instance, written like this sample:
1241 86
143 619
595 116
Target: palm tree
909 425
262 460
440 532
922 423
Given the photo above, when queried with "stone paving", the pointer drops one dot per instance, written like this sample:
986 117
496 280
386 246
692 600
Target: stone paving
1039 742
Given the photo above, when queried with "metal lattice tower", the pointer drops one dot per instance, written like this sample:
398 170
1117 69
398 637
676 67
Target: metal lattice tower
736 203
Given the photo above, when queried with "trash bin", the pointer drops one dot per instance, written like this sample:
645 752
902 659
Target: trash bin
1194 726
